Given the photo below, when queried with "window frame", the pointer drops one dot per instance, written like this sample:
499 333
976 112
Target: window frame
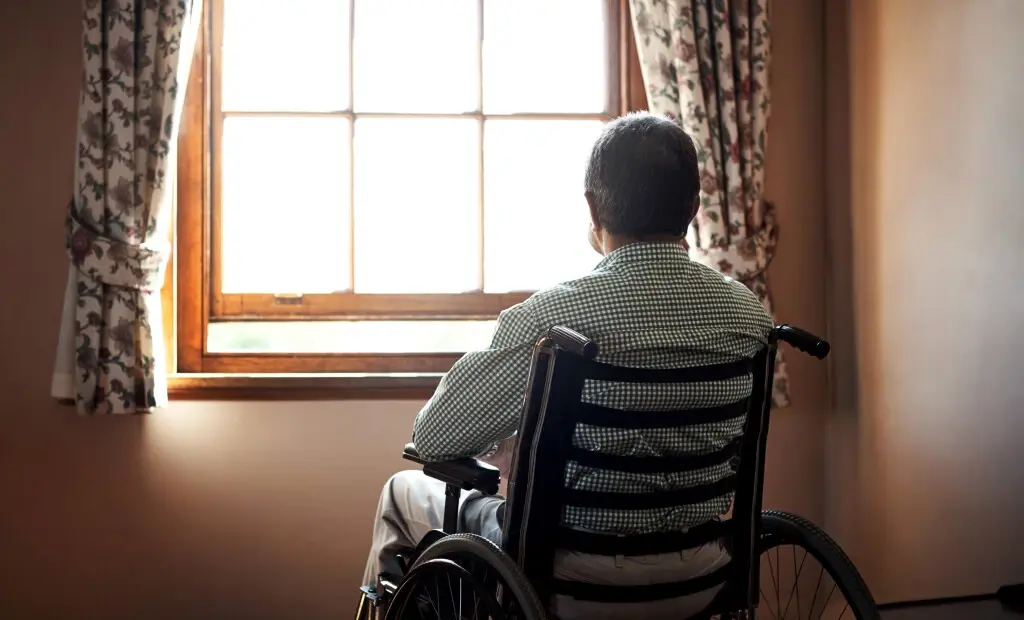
192 297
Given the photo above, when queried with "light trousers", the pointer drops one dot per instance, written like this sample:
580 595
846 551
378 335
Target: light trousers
412 504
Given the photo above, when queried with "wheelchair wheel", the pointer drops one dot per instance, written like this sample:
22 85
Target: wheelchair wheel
465 577
791 584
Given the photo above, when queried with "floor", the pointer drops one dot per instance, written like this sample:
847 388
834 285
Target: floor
973 610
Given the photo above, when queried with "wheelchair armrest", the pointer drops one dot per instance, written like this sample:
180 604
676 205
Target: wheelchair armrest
466 473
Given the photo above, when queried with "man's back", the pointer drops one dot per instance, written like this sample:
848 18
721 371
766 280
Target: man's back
646 305
649 306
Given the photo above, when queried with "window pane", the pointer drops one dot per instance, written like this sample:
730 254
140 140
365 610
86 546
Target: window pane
284 197
285 58
416 56
417 215
533 188
349 336
543 56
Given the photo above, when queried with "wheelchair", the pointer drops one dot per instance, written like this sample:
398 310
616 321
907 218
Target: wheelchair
455 576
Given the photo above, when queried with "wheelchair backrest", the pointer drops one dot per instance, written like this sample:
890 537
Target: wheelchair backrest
538 496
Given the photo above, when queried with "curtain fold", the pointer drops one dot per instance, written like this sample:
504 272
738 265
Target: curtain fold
136 57
705 63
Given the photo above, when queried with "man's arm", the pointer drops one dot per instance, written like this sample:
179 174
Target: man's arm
479 401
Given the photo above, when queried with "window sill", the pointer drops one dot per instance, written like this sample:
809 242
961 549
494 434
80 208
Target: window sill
303 386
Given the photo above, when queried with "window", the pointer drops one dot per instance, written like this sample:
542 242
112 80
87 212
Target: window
364 185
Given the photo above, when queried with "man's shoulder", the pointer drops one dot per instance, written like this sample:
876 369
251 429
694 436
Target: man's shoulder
723 299
570 294
712 278
607 293
739 300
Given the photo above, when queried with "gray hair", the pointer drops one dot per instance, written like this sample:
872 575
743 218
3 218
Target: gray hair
642 177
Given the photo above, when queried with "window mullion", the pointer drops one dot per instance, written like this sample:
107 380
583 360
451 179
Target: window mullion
482 127
351 147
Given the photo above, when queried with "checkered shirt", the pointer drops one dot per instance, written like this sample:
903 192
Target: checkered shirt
646 305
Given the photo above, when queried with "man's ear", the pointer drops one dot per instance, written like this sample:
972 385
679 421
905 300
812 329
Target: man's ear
593 210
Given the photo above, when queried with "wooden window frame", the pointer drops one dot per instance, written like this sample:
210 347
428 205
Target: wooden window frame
192 296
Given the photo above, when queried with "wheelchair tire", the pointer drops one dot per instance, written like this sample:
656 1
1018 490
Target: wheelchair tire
785 529
476 555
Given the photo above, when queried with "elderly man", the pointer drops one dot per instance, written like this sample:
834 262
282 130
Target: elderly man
646 304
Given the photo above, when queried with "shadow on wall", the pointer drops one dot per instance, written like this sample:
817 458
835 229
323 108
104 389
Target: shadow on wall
925 438
848 480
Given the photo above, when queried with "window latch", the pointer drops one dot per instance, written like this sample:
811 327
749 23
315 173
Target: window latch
288 299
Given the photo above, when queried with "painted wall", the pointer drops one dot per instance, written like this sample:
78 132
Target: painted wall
926 289
263 510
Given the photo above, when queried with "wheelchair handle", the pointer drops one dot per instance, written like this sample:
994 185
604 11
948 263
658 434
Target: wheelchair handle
572 341
803 341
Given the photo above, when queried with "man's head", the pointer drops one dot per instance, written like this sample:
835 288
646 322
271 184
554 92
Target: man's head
641 183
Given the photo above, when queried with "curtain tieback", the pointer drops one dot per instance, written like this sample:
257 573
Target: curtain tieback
113 262
747 258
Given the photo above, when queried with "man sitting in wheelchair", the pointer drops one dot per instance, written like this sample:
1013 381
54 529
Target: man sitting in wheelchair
646 305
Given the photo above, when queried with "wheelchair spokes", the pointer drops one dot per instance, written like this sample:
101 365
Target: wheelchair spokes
795 585
465 577
806 576
441 589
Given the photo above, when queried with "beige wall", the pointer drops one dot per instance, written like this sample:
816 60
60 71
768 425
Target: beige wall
262 510
927 289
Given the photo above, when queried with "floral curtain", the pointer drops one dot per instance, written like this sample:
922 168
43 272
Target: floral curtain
136 57
706 64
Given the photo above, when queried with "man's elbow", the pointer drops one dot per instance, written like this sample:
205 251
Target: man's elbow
434 454
429 447
434 448
419 439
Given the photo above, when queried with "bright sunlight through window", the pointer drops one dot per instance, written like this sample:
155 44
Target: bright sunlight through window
406 150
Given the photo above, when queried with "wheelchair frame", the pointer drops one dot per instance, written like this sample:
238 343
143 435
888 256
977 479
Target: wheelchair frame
556 381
